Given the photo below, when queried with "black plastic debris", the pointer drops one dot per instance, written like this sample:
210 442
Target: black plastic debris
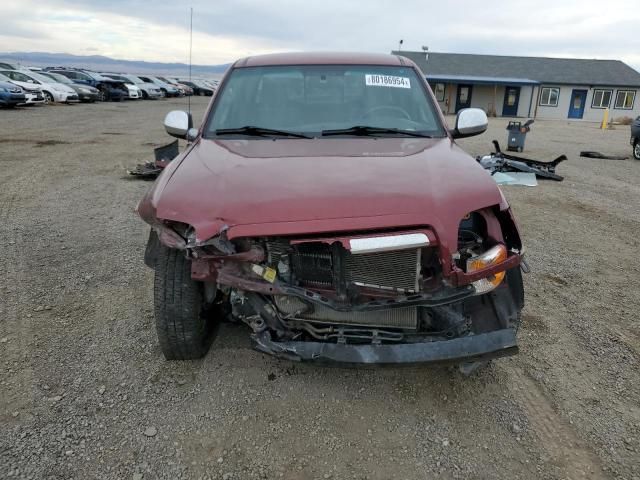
590 154
162 156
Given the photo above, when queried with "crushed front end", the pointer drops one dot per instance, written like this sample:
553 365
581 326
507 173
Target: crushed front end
391 296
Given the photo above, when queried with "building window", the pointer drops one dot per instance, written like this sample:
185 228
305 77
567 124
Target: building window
625 99
549 96
439 91
601 98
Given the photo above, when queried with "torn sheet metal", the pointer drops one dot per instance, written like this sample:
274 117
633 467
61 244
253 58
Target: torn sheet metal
499 162
162 156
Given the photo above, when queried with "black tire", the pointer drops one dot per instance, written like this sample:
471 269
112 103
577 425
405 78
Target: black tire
636 150
184 323
145 95
48 98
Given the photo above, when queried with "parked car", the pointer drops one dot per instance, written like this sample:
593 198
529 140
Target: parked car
184 89
325 204
11 95
108 88
33 94
133 92
149 91
199 88
9 66
635 138
167 89
86 93
51 90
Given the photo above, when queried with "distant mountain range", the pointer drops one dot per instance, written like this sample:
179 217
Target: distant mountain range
102 63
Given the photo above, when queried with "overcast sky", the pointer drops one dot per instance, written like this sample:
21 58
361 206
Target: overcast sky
224 30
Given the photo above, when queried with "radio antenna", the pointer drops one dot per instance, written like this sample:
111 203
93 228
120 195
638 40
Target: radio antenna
190 51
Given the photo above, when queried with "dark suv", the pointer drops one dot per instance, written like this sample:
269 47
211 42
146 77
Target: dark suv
109 89
325 204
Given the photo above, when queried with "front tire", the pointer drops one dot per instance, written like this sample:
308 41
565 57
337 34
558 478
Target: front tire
48 98
184 323
636 150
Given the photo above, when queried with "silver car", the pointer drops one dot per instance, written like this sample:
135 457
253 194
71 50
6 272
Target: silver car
149 90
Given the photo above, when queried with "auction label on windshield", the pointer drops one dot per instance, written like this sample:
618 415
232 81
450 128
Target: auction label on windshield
372 80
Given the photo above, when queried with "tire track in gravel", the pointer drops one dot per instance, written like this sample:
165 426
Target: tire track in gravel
564 448
14 329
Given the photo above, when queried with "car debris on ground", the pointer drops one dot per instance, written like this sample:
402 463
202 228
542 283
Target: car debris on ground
591 154
500 162
162 156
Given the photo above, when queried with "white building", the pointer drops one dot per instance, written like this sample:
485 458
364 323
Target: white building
533 87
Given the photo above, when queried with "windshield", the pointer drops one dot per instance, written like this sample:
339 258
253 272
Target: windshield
94 75
41 78
120 78
312 99
135 79
57 77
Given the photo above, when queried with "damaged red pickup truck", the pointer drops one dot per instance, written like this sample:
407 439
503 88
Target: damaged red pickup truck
324 203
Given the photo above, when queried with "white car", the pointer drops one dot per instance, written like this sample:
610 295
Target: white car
133 90
33 93
51 90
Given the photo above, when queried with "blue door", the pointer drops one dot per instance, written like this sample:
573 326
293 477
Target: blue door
576 106
511 101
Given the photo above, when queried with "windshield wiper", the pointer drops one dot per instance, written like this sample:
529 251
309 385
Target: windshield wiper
259 132
365 130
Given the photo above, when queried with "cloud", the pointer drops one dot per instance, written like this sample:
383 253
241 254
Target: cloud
227 29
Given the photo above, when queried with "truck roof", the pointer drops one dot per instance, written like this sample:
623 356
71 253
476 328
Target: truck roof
322 58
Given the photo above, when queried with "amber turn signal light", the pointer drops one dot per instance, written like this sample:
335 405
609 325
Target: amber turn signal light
493 256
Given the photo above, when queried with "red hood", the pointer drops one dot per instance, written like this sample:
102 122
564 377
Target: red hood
291 186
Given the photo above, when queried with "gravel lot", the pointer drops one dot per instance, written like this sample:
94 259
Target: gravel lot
86 394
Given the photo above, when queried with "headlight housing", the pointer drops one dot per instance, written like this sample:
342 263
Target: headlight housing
491 257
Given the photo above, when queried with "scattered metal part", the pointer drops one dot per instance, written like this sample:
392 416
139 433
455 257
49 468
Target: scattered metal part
590 154
499 161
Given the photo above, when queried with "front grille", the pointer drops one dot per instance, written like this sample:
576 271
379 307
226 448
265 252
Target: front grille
323 265
405 317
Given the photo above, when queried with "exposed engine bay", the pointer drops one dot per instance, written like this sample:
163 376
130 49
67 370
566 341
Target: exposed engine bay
363 288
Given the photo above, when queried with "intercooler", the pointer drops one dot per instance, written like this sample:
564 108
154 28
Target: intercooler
405 317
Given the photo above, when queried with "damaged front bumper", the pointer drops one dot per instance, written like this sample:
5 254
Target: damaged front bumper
484 346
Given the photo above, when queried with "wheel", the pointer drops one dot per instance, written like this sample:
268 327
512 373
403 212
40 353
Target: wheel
636 150
201 93
520 149
48 98
145 95
184 322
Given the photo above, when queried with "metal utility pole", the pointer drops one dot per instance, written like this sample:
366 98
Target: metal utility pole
190 52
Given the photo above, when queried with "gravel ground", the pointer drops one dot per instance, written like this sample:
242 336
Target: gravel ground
86 394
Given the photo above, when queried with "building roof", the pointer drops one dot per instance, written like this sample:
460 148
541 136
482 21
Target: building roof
567 71
319 58
482 80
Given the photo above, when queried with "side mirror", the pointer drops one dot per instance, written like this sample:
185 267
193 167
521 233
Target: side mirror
177 123
470 122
